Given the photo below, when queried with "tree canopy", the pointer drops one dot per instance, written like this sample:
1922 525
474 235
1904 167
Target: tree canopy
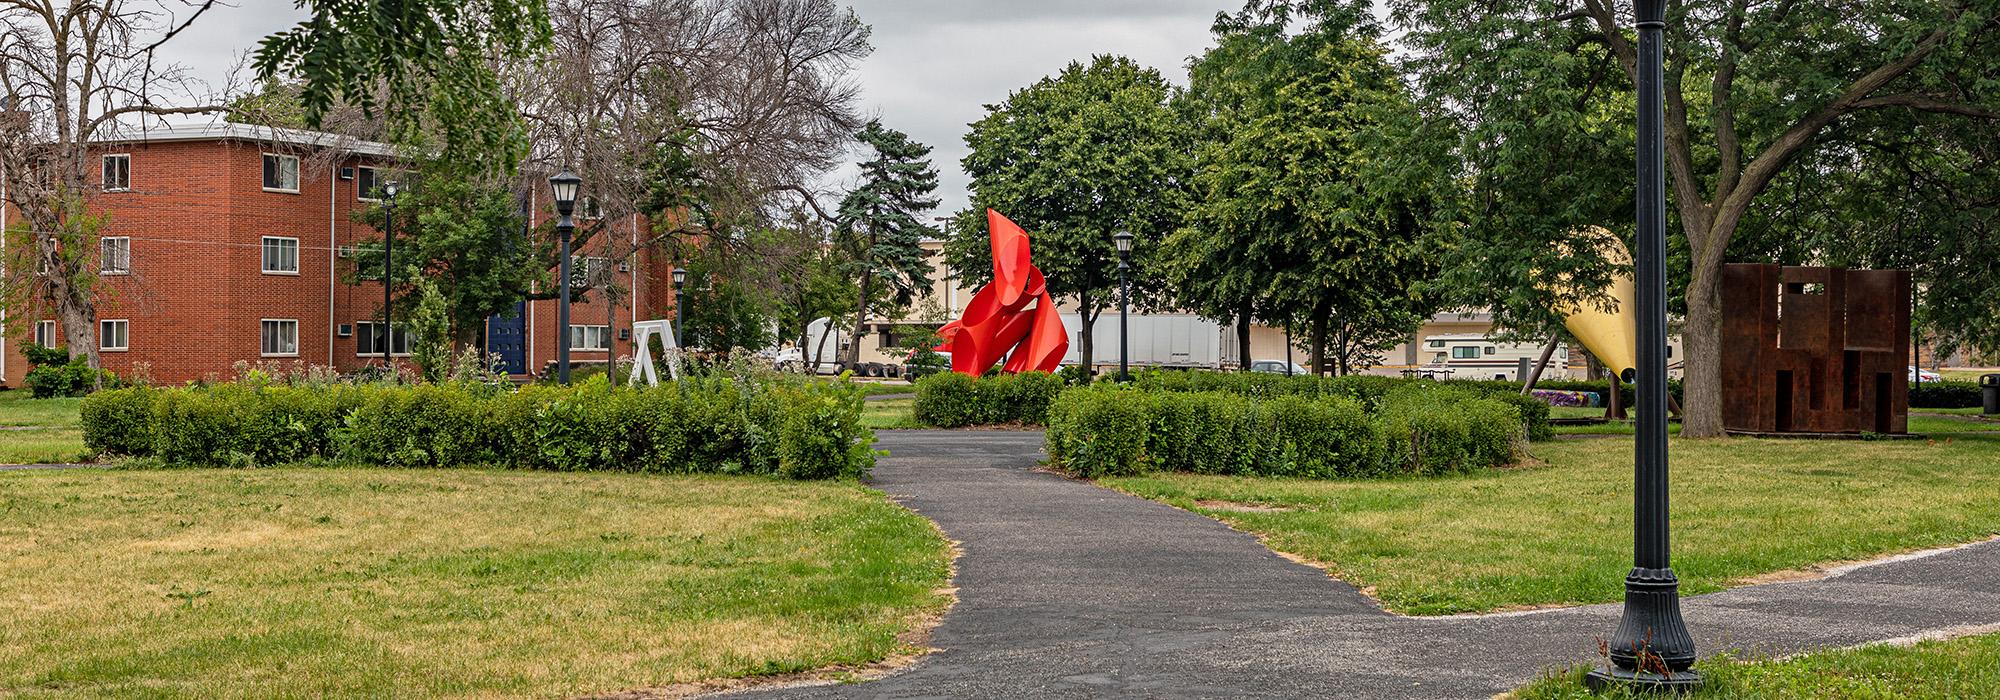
1075 158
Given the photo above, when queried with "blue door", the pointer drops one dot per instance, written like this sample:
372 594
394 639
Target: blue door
507 337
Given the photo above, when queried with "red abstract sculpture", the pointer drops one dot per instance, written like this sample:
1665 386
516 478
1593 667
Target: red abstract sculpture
998 319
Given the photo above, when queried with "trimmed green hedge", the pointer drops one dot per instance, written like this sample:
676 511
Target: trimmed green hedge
1113 430
1946 394
798 429
1368 389
952 400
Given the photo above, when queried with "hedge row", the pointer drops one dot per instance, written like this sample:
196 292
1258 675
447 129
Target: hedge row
1114 430
801 429
952 400
1947 394
1367 389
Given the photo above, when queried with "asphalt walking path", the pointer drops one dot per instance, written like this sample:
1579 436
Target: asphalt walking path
1068 590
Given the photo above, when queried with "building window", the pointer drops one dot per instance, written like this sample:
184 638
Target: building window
281 173
1465 352
113 334
118 173
281 337
589 272
115 254
365 182
281 256
590 337
45 334
368 341
1490 350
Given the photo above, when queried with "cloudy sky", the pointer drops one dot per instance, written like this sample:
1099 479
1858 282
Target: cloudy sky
936 62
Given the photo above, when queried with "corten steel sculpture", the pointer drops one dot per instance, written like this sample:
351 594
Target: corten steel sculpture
999 319
1815 350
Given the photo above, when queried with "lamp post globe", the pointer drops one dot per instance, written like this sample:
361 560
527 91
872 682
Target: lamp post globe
1123 239
564 187
680 313
389 192
1651 648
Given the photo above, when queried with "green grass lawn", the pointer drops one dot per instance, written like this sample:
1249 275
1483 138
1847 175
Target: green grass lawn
1966 375
890 414
1939 670
1559 532
433 583
38 431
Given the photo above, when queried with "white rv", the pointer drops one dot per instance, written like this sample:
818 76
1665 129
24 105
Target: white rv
1477 357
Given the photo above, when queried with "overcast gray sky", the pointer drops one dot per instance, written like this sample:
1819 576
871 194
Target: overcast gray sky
936 62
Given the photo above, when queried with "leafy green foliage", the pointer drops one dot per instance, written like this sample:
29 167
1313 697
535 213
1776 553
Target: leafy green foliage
53 373
118 421
1305 208
463 233
427 64
791 427
1075 158
885 216
1427 428
1946 394
952 400
1107 430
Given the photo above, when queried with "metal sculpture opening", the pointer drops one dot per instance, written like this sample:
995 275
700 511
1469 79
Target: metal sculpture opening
999 323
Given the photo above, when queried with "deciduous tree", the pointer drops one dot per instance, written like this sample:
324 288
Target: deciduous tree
1075 158
1753 88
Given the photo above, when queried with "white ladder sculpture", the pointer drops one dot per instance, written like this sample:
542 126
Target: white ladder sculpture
642 356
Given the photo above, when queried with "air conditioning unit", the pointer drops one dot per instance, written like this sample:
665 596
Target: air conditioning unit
346 251
624 334
624 267
346 173
346 330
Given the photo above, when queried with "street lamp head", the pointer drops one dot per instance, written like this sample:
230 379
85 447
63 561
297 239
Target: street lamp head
565 186
390 190
1124 241
680 276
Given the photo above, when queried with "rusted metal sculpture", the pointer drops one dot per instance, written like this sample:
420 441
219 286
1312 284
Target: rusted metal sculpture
1815 350
999 321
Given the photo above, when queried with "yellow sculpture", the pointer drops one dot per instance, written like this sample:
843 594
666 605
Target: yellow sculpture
1609 335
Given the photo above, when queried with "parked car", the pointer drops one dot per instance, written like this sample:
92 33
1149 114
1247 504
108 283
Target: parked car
1278 367
1921 375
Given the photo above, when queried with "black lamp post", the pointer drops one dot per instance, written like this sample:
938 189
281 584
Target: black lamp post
1651 648
680 312
1124 241
565 185
388 248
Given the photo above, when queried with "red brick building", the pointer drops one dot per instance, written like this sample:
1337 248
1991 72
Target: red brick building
229 243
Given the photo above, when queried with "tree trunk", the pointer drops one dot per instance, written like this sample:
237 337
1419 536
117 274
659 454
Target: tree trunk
860 316
1243 338
1085 347
1321 314
78 316
1701 341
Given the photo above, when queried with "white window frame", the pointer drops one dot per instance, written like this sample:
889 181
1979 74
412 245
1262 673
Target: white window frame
104 266
581 332
264 254
104 172
361 193
45 334
369 351
589 208
261 323
282 159
104 337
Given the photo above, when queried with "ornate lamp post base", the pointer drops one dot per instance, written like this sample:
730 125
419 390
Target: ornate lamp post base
1651 649
1607 678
